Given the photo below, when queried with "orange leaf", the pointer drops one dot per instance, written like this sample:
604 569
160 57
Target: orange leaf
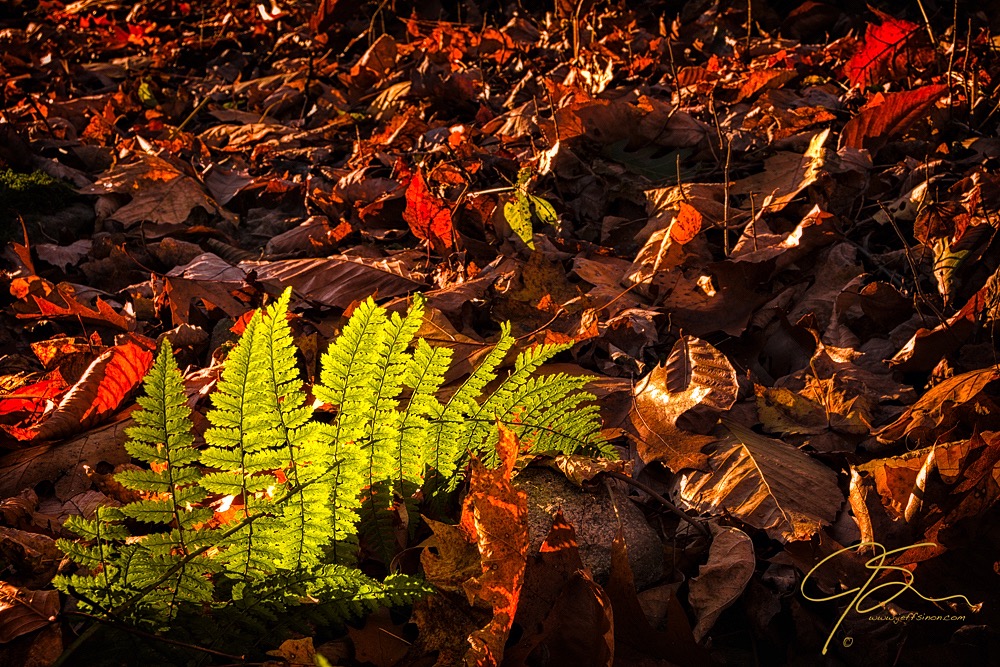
105 385
686 224
877 123
499 514
429 217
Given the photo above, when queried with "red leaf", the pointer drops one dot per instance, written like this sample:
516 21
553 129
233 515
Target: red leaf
889 116
105 385
32 399
882 43
429 217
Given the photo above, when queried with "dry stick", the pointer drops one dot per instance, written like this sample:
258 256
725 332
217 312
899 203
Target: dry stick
927 22
700 527
951 56
725 200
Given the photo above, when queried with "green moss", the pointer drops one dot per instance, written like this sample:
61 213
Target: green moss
29 196
36 192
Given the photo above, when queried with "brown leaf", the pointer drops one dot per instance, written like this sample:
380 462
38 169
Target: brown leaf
721 581
785 175
687 393
635 638
379 641
579 469
889 116
783 411
160 192
296 652
940 408
24 468
209 278
565 606
23 611
337 280
64 256
767 484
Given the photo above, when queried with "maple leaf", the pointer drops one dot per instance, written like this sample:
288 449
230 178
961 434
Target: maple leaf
882 43
429 217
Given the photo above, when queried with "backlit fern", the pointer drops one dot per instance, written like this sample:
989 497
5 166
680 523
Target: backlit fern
293 492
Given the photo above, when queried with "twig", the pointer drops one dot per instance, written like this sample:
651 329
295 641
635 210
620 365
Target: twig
673 509
927 22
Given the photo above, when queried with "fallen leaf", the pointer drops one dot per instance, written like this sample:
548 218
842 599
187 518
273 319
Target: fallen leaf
40 299
767 484
882 43
683 397
24 468
102 389
23 611
429 216
686 224
722 580
941 409
337 281
889 116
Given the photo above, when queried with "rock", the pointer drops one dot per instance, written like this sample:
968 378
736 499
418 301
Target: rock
592 514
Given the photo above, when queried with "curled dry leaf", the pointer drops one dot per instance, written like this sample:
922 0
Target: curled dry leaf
681 399
766 484
889 116
721 581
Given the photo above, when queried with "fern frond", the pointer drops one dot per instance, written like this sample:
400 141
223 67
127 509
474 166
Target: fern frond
346 382
162 438
382 427
303 527
449 430
243 454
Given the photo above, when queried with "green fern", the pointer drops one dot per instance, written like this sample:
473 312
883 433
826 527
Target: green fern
302 490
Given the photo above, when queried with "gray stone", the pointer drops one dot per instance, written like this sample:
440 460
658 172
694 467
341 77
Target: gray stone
592 514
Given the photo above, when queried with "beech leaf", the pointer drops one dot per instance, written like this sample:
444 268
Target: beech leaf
890 117
767 484
680 399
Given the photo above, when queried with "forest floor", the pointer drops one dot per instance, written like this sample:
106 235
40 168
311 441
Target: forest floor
770 236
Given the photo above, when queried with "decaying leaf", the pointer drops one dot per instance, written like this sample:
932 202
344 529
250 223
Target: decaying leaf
23 611
680 401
